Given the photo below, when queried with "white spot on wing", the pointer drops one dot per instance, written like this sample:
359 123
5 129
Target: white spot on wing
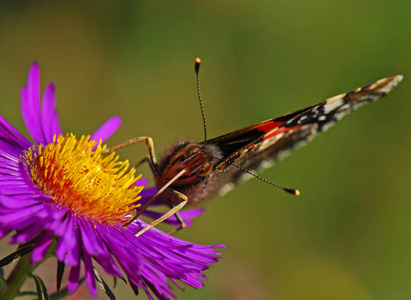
265 164
330 106
328 125
226 188
245 176
268 142
344 107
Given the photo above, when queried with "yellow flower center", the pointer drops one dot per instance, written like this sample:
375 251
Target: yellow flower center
83 180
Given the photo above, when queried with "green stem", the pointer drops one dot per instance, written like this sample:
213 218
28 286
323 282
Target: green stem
16 278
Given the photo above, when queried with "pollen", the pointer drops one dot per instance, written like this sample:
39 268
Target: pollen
81 178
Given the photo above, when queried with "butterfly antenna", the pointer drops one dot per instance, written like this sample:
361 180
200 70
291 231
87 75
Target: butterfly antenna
290 191
197 69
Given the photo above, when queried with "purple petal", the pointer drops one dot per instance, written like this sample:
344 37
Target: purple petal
10 135
56 223
73 280
109 265
89 238
12 203
73 255
30 105
20 215
148 192
91 283
191 213
106 260
107 129
43 243
142 181
34 85
24 235
50 120
67 241
60 224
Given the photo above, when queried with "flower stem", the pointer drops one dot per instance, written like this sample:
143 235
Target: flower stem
16 278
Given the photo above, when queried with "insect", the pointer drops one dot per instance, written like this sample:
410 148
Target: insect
192 172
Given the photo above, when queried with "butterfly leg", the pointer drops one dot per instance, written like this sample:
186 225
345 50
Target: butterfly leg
168 214
179 219
145 159
150 146
182 224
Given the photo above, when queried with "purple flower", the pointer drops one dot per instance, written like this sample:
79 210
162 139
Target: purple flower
64 196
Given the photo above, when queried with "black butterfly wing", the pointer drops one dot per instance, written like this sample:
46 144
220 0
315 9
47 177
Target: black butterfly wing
259 146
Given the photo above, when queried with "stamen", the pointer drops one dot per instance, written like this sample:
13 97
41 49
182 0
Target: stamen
84 180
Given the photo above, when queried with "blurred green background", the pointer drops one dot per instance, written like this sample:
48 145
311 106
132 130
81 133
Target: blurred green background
348 235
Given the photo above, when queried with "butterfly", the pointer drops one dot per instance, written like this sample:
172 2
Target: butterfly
191 171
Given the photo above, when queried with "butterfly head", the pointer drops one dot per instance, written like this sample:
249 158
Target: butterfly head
192 157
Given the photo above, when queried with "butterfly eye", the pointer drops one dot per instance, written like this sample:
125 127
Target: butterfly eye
190 150
205 169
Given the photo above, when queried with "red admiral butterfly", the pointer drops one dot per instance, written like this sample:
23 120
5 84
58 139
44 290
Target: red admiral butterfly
192 172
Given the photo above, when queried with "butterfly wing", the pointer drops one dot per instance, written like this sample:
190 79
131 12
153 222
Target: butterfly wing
259 146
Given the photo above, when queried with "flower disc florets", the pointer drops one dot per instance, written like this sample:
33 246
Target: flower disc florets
83 180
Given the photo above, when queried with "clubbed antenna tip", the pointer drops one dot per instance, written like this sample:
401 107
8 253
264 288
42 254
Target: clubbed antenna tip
292 191
197 64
